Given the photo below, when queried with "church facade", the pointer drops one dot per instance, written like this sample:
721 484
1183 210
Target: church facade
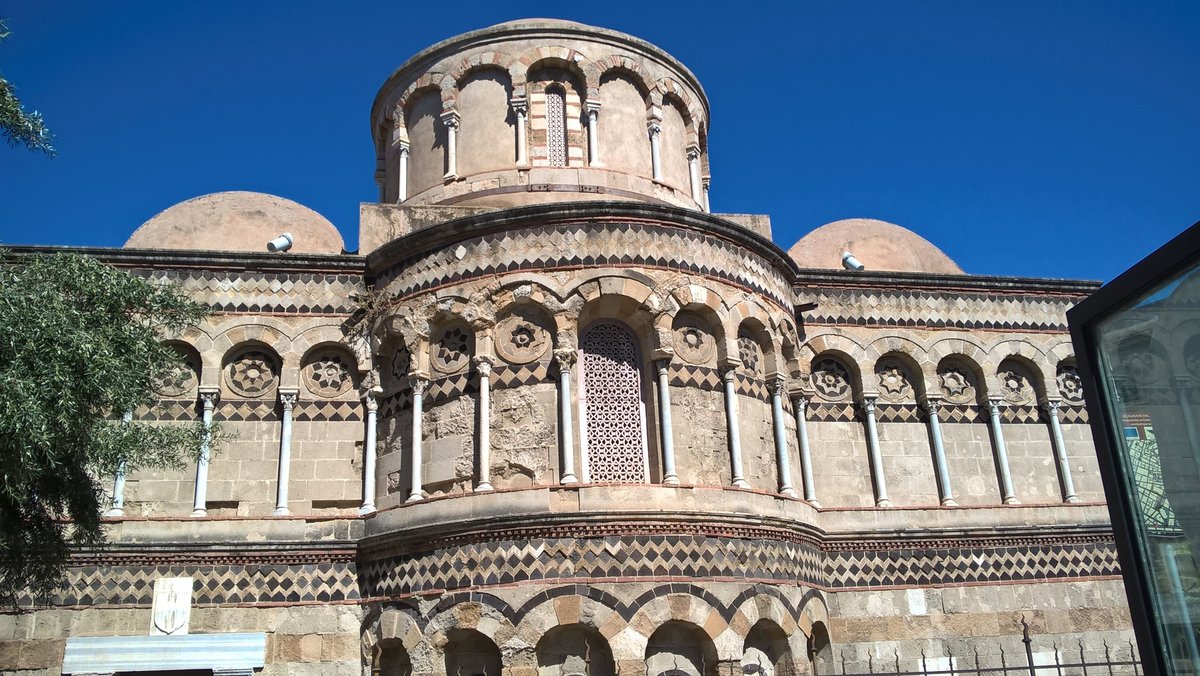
554 417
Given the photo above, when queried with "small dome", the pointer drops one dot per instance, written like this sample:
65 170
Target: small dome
237 221
879 245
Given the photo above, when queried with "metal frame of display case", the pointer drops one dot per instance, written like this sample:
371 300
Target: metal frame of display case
1169 260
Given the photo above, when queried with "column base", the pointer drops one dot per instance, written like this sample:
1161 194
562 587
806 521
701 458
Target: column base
813 502
949 502
1071 499
741 483
281 511
484 487
788 491
114 513
568 479
883 504
671 480
1011 501
415 497
199 512
366 509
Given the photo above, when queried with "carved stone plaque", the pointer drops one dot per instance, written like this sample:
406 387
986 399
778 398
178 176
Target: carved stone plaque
172 607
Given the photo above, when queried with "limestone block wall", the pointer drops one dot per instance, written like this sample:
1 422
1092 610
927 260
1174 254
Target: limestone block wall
525 436
958 621
841 469
908 464
702 451
971 462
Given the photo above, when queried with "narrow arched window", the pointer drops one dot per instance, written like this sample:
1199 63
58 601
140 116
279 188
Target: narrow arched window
614 419
556 126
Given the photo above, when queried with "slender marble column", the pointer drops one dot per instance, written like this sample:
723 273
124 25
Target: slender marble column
565 358
1060 451
520 109
402 175
881 494
800 404
416 490
707 206
118 496
483 365
451 120
664 414
933 406
1006 486
593 114
655 129
371 404
287 398
693 158
208 397
733 428
782 461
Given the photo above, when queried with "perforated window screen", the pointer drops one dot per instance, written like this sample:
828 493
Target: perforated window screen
556 127
613 404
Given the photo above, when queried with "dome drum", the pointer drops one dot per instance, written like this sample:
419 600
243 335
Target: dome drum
501 116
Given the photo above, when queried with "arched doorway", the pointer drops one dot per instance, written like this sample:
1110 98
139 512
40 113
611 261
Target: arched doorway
613 415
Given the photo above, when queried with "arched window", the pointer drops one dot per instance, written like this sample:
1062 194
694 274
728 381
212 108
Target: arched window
556 126
611 398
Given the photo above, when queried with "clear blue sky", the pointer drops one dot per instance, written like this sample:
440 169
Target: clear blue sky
1057 139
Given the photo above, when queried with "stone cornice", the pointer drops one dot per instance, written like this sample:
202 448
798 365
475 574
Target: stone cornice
164 259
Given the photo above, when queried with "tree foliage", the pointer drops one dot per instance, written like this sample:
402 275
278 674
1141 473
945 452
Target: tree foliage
80 343
20 127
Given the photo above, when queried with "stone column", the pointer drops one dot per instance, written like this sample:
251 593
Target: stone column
733 428
1001 451
565 358
707 183
419 383
800 405
664 423
693 158
118 495
655 129
877 475
483 365
402 174
782 461
208 397
520 108
287 399
593 115
933 407
371 405
1060 451
451 119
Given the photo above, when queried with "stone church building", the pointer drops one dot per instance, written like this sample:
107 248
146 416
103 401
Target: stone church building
555 418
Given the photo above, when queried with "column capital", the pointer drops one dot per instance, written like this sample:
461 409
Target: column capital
210 395
932 403
1051 405
777 383
693 153
662 354
483 364
728 369
868 401
419 383
451 119
654 127
402 147
288 396
371 399
565 357
994 404
519 103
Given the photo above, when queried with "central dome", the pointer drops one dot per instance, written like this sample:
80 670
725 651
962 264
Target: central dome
541 110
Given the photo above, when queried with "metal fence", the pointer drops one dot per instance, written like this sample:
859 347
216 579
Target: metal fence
1118 660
